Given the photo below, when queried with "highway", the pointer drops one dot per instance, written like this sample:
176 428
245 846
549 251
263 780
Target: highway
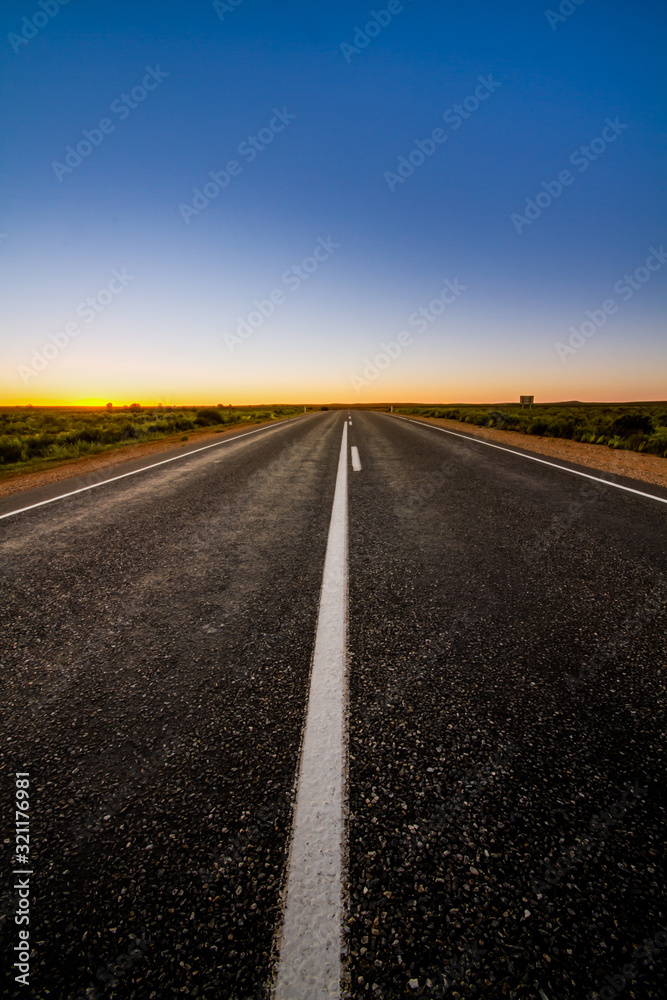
481 738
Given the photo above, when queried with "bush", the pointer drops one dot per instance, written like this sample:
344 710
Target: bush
629 422
539 427
11 450
208 416
657 443
39 444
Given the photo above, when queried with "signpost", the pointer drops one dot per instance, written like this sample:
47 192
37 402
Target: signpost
527 401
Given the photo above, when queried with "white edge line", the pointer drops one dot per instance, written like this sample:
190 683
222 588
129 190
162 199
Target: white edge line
532 458
311 935
145 468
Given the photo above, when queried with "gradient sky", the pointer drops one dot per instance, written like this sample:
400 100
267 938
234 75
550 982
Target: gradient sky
170 334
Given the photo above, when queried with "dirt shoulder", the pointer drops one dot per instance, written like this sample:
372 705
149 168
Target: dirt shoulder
646 468
18 481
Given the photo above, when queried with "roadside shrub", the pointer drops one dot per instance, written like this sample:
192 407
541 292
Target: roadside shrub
39 444
629 422
539 427
11 450
208 416
657 443
636 442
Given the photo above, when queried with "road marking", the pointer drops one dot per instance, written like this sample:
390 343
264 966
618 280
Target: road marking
145 468
356 461
309 967
534 458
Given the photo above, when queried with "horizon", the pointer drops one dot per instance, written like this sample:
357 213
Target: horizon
328 403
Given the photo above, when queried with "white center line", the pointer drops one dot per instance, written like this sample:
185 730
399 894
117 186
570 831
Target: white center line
356 461
310 967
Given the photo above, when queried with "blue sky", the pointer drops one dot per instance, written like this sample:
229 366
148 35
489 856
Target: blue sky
327 171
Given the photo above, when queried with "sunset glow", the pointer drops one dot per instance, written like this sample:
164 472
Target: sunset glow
180 245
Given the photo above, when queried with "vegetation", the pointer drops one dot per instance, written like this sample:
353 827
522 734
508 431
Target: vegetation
632 426
32 436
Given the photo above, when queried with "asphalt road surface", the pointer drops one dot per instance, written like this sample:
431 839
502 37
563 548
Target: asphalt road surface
503 767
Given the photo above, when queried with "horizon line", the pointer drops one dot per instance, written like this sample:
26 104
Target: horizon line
334 403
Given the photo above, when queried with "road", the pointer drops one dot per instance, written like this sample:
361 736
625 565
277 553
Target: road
503 768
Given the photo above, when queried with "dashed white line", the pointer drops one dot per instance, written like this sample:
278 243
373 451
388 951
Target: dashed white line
534 458
356 461
309 966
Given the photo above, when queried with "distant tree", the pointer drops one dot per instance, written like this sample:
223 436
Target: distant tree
134 406
109 406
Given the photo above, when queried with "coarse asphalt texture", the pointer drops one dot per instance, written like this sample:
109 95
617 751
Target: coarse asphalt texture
507 675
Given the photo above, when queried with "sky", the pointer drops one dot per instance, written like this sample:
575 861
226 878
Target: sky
246 202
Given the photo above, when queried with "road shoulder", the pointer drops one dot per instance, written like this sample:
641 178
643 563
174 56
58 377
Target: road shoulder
630 464
20 482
